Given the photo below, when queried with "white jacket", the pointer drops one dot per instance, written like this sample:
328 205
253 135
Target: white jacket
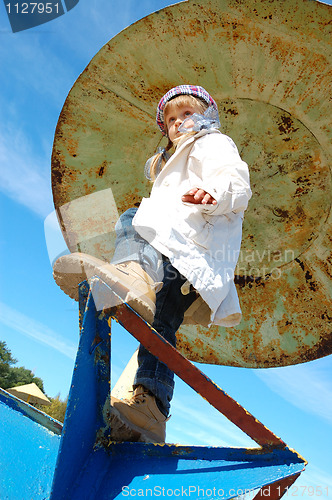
201 241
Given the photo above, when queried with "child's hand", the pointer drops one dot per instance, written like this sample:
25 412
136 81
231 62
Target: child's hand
198 196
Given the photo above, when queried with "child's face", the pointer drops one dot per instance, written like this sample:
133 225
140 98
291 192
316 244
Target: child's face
174 117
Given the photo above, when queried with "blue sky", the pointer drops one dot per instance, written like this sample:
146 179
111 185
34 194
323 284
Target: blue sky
40 323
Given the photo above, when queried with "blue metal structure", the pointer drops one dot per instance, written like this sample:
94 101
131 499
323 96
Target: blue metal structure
29 443
92 466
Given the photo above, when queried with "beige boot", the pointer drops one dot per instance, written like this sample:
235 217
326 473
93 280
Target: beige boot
142 414
128 280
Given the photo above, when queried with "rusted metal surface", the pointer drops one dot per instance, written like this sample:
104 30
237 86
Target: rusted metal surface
268 66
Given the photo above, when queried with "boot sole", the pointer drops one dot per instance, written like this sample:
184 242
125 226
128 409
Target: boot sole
124 430
89 266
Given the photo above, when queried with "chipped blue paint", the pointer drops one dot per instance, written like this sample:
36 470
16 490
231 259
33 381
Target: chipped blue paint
29 446
88 398
138 469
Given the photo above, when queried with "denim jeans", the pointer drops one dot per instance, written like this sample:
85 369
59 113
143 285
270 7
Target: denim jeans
171 305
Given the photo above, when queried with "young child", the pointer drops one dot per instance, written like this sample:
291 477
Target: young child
177 252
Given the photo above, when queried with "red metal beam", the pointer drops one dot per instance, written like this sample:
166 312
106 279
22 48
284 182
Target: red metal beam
196 379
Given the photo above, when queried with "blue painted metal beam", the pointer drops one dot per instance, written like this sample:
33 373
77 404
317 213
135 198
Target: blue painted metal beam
88 397
138 469
29 443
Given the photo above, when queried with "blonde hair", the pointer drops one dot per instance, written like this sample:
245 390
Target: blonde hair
158 161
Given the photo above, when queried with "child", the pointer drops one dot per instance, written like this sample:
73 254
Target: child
177 252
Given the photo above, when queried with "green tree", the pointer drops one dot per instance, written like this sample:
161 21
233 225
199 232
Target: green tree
57 409
6 360
21 376
12 376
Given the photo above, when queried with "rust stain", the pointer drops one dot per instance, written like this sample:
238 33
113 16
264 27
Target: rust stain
286 126
184 450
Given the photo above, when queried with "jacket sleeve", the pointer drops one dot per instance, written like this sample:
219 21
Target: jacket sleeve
215 166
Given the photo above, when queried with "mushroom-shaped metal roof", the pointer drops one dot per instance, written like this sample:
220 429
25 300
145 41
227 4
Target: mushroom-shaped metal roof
268 66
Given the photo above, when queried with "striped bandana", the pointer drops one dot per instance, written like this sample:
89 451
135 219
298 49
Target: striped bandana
193 90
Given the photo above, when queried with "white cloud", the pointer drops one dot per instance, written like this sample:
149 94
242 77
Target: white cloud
312 483
98 23
307 386
314 476
34 67
204 426
35 330
23 177
33 89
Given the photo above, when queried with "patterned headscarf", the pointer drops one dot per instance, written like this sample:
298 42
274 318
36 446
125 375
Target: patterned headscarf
193 90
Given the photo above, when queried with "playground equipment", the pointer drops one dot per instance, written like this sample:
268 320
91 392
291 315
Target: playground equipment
92 465
267 65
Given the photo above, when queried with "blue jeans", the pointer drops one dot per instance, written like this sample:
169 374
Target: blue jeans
171 305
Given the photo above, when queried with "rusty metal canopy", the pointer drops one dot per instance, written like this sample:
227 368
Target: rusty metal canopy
268 66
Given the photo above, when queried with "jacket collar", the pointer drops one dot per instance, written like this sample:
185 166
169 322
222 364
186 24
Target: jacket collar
187 141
